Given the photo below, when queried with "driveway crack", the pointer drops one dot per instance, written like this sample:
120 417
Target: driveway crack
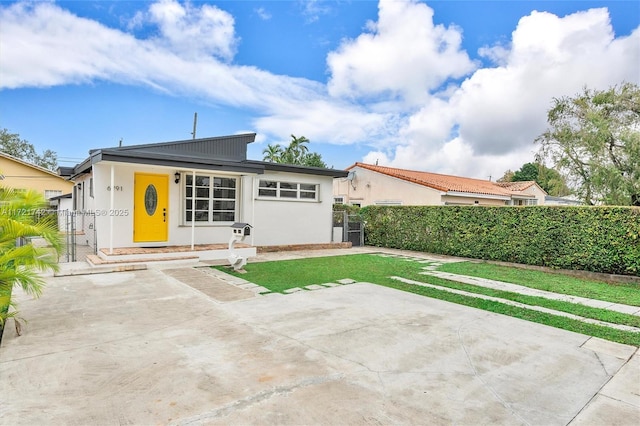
257 398
484 383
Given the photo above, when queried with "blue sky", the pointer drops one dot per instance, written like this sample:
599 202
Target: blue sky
457 87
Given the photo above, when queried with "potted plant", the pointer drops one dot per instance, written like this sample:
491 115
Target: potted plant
20 261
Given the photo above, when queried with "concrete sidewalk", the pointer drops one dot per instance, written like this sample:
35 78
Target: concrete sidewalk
145 347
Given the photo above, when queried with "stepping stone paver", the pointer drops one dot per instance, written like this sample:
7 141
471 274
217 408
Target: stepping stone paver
346 281
292 290
248 286
331 285
314 287
210 285
515 288
518 304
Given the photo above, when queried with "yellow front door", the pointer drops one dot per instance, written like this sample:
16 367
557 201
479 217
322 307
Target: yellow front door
150 207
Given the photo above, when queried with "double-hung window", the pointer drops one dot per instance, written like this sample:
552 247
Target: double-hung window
210 199
288 190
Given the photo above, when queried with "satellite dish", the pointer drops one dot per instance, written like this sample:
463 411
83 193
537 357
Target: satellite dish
351 176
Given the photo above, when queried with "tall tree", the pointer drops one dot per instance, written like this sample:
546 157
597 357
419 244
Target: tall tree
552 181
528 171
314 159
297 152
549 179
272 153
594 138
507 176
10 143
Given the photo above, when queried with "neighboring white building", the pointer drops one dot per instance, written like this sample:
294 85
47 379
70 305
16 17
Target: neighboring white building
562 201
368 184
190 192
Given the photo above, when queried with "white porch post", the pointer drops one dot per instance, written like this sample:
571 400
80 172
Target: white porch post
193 206
111 208
253 206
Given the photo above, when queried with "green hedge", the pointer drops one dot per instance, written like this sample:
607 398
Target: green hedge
599 239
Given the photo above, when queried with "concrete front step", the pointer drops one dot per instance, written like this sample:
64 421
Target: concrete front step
168 253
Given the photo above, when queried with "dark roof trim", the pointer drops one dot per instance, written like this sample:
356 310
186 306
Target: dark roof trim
179 162
195 154
242 137
59 197
291 168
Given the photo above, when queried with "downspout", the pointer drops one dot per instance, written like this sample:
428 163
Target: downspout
111 208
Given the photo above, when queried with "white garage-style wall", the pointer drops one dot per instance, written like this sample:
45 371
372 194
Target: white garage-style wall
279 218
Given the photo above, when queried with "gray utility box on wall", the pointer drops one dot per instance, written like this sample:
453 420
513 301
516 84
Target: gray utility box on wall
241 229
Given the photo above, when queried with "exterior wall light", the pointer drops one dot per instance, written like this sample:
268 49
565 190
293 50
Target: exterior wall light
177 176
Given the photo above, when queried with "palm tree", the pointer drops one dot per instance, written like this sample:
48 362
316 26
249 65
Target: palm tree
272 153
296 151
20 260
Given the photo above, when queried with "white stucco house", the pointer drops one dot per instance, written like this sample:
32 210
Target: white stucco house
188 193
368 184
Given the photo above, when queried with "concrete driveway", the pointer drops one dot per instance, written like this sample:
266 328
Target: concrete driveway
143 347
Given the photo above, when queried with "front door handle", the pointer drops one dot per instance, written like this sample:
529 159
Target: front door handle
164 215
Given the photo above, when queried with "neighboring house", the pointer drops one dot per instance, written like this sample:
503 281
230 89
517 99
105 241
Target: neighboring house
368 184
64 204
190 192
561 201
18 174
522 191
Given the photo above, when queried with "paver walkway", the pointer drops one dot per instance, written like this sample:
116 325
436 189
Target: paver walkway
211 286
432 263
431 266
514 288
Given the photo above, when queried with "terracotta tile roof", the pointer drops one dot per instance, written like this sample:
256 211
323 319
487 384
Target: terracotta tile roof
445 183
516 186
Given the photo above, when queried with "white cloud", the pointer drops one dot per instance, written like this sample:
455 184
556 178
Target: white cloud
402 55
194 31
313 9
262 13
44 45
385 89
494 116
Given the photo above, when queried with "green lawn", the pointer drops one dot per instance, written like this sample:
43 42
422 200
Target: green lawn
282 275
628 294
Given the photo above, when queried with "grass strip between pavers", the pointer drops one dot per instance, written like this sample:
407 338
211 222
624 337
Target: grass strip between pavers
279 276
625 293
570 324
599 314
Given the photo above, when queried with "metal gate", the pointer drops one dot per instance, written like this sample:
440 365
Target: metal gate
79 230
348 227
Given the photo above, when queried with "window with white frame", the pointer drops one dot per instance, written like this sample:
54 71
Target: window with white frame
50 193
525 202
288 190
210 199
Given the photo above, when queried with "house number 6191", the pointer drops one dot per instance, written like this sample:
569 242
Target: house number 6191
115 188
